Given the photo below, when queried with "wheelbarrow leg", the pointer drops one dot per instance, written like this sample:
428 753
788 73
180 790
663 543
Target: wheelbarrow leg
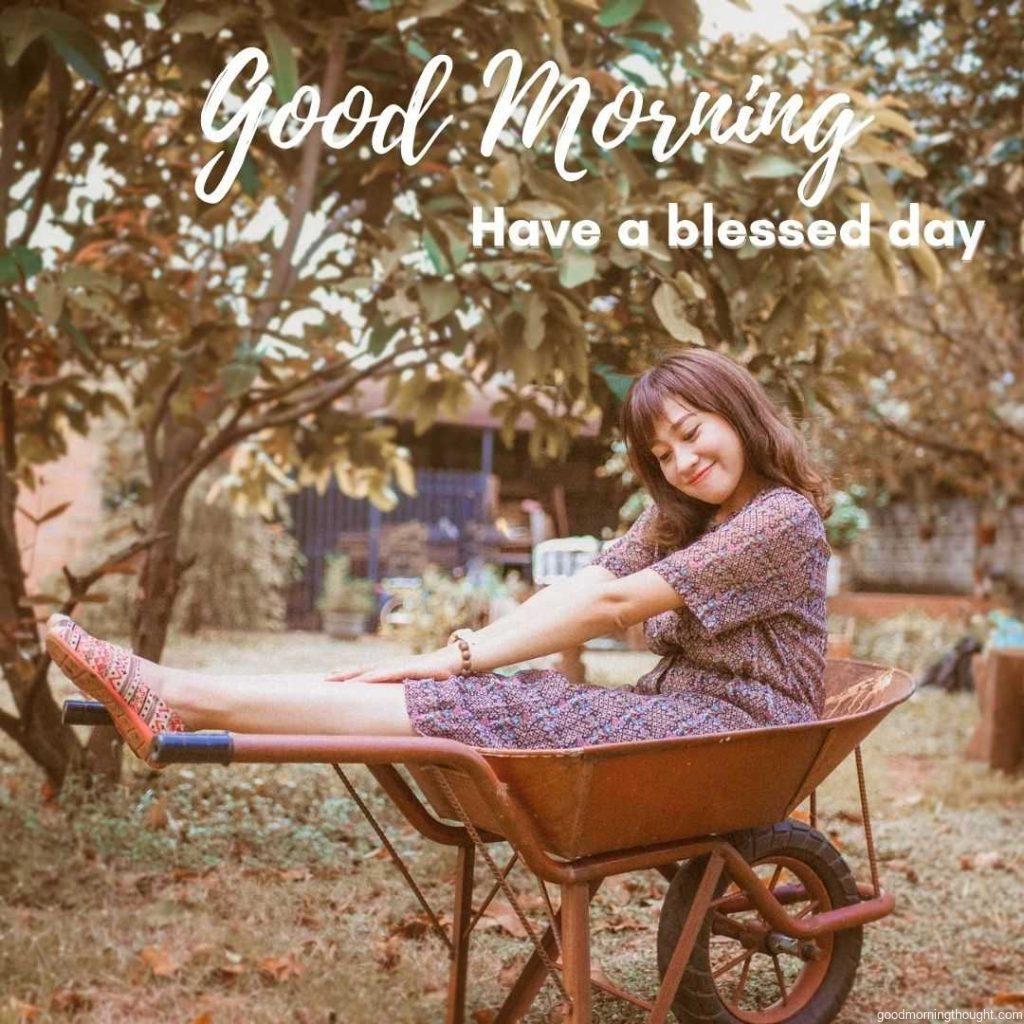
461 917
576 950
524 991
687 939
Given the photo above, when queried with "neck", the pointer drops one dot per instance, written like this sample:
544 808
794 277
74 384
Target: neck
750 484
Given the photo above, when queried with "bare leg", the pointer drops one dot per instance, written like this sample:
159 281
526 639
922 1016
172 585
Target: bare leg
289 703
149 696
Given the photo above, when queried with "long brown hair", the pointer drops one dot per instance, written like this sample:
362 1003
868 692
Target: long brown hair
711 382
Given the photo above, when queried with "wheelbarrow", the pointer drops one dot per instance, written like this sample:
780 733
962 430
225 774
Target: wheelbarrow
762 920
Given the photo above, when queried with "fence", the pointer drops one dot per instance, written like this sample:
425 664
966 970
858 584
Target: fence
893 554
448 502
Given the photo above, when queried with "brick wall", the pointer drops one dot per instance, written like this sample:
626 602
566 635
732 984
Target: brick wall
892 555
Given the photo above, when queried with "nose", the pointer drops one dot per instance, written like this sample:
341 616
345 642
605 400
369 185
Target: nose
686 462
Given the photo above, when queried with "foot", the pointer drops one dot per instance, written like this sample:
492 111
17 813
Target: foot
120 680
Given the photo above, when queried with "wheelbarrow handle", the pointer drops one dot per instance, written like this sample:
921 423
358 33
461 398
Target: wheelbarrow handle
85 712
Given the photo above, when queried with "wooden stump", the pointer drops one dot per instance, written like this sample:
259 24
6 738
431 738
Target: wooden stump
999 682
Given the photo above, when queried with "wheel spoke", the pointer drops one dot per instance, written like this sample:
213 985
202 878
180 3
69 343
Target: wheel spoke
778 975
810 906
775 877
745 955
742 983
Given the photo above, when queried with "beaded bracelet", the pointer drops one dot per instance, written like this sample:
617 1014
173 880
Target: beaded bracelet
459 637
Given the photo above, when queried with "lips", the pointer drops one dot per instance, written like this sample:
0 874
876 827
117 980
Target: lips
700 476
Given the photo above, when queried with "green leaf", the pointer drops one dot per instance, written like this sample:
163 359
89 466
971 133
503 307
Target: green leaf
618 383
202 23
615 12
50 299
671 310
249 176
19 262
418 50
237 378
282 62
640 47
438 299
576 268
771 166
434 251
380 338
76 44
654 26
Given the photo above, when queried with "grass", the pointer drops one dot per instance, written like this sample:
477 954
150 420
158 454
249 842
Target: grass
257 894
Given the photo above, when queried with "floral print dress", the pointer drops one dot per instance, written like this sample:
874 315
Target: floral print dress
746 650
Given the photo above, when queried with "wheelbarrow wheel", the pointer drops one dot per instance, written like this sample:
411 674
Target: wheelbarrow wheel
740 971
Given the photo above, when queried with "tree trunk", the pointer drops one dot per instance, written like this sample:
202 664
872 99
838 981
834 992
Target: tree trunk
38 729
159 581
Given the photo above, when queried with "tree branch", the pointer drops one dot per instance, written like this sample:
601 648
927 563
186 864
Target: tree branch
943 447
282 272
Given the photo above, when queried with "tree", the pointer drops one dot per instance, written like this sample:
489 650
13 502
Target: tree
956 65
940 406
226 334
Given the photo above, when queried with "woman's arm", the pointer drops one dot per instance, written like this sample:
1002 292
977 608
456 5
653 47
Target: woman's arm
549 597
564 615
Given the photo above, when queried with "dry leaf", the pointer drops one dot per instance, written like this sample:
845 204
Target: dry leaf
483 1016
156 816
280 968
386 953
25 1011
988 859
1008 998
69 1000
204 1018
501 915
854 817
619 923
228 972
158 960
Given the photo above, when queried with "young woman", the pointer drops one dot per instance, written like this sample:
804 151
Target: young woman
726 569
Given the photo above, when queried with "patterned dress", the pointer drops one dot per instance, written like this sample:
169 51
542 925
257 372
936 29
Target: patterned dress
746 650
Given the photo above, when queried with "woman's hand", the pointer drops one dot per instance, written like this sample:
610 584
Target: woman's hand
439 664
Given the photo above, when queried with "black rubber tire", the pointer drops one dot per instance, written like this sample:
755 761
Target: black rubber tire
697 1001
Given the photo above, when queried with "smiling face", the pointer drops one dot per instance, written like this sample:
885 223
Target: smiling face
701 454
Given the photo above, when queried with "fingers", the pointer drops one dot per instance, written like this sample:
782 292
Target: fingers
341 675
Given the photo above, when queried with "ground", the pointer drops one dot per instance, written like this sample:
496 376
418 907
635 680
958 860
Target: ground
258 894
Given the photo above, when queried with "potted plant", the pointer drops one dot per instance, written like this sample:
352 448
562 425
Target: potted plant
847 521
345 601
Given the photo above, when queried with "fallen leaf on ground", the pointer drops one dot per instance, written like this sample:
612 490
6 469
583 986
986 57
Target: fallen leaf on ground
204 1018
619 923
483 1016
228 972
69 1000
988 859
501 915
25 1011
906 869
280 968
158 960
1008 998
853 817
156 816
412 926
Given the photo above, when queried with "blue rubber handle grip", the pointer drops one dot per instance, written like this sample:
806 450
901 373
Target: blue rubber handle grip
85 712
192 748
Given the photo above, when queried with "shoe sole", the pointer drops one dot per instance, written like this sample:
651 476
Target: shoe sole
133 730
